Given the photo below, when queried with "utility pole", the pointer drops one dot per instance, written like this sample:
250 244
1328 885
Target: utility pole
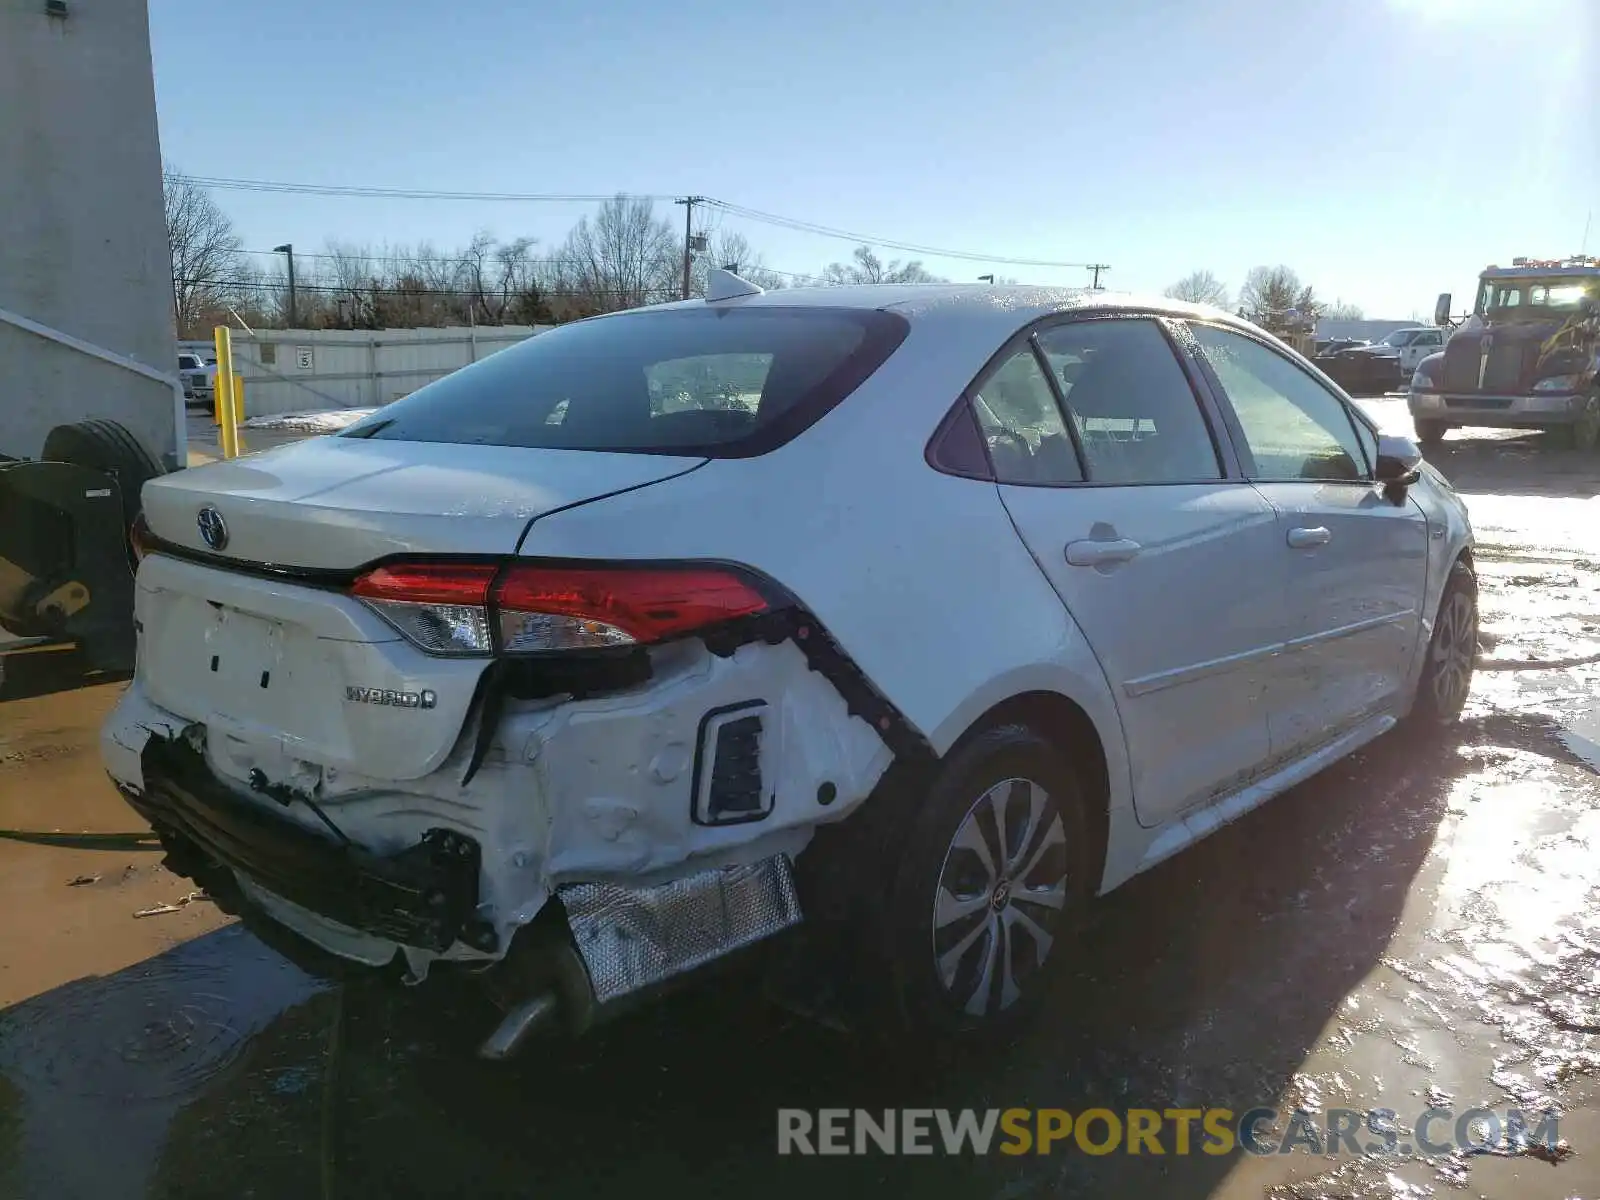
1097 268
288 249
688 203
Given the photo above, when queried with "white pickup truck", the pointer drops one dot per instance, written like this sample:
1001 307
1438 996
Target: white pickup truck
199 377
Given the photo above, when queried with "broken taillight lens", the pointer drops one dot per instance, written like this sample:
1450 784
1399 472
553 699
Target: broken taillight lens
531 608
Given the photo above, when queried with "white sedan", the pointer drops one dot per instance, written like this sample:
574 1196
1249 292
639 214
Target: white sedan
915 615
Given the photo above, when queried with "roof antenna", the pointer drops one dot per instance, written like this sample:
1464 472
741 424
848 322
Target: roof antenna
725 285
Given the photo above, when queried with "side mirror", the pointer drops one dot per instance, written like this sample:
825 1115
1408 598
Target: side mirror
1441 309
1399 465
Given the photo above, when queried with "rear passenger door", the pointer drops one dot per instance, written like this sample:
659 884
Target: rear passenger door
1357 561
1169 566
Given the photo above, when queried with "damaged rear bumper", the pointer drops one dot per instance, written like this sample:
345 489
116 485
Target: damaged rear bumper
605 942
425 896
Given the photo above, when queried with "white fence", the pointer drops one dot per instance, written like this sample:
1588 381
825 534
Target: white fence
303 370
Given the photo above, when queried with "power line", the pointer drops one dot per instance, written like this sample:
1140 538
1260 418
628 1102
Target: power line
752 214
380 290
392 193
363 260
888 243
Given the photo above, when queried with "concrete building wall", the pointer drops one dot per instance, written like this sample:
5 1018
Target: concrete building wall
83 245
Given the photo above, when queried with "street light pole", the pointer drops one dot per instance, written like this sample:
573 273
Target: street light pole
294 311
985 278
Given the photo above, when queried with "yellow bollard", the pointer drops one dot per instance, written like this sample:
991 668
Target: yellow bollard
228 386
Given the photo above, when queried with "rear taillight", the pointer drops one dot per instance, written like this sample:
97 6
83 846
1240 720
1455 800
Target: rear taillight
442 607
530 608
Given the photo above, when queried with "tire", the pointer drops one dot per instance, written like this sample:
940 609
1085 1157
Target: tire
973 938
1452 653
1430 432
1583 434
109 447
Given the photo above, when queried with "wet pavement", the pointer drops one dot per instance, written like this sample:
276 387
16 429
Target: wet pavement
1418 925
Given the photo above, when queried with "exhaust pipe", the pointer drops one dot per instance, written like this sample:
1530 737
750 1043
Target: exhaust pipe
555 990
518 1025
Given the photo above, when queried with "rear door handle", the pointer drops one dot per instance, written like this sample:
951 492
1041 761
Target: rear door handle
1093 553
1303 537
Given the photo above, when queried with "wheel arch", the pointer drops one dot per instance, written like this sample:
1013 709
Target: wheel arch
1067 725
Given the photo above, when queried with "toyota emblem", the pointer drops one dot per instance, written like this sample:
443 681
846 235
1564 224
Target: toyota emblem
213 529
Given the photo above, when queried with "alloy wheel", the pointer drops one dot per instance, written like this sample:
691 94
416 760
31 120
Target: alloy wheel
1455 647
1001 889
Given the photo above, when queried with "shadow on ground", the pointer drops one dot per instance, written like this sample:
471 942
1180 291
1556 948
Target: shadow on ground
1207 982
1532 464
23 676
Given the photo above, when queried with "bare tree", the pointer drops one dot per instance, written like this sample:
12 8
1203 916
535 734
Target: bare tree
732 251
1341 310
624 257
1200 287
1270 294
204 248
867 267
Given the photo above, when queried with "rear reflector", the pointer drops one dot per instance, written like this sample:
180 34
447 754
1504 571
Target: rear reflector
449 607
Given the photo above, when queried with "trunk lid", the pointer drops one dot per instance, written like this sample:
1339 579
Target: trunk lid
336 503
290 677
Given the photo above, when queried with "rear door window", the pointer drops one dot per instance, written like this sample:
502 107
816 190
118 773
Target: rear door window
1137 418
702 381
1022 424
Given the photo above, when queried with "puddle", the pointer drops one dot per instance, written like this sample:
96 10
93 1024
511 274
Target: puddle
113 1058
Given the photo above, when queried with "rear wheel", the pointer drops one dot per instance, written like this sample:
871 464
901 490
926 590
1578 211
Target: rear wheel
1452 653
1431 432
1583 433
989 894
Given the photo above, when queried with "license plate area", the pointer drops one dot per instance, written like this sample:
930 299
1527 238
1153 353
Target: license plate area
247 659
256 677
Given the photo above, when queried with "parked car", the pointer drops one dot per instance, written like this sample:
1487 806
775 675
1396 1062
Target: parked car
1335 345
199 377
1407 346
882 625
1374 368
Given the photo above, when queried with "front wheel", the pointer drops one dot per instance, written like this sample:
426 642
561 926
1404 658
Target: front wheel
1430 432
1583 433
1452 653
988 895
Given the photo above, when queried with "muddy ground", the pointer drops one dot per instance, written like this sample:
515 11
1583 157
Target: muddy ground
1417 925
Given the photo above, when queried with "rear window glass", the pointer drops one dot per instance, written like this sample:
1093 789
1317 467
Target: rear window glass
724 383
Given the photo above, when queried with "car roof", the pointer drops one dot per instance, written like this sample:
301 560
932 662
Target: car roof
1012 305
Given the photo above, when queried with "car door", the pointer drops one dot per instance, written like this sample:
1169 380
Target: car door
1167 561
1357 559
1422 344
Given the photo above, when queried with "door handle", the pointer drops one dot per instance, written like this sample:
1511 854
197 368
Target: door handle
1304 538
1091 552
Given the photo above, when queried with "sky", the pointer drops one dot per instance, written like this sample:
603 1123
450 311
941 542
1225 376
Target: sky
1386 150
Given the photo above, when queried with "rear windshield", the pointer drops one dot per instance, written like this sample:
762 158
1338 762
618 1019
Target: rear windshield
703 381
